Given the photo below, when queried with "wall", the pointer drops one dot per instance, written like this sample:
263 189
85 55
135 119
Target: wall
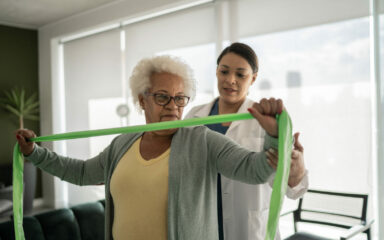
18 67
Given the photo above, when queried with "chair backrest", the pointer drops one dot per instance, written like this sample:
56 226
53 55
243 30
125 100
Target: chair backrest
332 208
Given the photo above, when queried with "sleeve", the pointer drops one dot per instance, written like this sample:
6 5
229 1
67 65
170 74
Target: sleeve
298 190
76 171
238 163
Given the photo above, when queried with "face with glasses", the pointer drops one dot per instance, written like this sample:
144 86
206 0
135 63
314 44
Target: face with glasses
164 100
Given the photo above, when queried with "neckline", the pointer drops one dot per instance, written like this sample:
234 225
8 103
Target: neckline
151 161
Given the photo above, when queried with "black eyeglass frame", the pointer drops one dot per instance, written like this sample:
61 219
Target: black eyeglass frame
169 100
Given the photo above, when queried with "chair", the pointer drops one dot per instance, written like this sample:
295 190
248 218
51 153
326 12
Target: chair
341 210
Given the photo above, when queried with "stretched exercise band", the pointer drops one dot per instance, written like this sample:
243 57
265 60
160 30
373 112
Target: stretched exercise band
281 178
280 182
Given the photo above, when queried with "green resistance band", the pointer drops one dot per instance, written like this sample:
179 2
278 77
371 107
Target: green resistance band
18 159
282 173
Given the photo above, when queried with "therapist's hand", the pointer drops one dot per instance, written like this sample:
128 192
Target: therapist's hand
297 171
265 112
22 135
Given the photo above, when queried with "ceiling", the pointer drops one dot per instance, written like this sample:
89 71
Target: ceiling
37 13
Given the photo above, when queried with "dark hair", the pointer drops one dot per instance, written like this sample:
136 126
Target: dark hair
244 51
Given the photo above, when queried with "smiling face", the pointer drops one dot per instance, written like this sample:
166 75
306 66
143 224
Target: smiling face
166 84
234 77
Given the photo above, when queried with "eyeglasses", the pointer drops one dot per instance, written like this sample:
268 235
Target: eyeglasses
163 99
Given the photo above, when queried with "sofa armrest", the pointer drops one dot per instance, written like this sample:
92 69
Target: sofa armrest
6 193
355 230
287 213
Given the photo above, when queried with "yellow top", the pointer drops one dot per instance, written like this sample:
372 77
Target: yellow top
139 190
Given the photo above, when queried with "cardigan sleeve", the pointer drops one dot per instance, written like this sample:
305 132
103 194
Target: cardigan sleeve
238 163
76 171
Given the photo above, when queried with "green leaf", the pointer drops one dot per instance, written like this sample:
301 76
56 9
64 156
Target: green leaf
33 111
15 98
9 98
22 94
31 99
32 106
20 104
13 110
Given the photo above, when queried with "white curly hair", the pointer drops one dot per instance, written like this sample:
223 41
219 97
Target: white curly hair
140 79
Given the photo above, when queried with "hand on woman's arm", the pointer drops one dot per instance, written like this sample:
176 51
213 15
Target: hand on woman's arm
297 171
22 135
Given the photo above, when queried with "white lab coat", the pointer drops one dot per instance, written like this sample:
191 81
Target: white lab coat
245 206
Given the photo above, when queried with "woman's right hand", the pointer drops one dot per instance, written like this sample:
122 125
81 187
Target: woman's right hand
22 135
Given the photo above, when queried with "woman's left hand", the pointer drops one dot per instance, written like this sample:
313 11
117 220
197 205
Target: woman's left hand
297 163
265 112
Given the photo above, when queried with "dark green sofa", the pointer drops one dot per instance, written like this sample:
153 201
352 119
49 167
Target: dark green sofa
80 222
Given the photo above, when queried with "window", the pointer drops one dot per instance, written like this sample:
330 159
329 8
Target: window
322 74
92 92
188 34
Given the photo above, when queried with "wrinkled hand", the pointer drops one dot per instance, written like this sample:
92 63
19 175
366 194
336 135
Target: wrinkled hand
297 171
265 112
22 135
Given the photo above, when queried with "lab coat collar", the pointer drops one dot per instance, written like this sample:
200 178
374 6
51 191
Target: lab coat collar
243 109
204 111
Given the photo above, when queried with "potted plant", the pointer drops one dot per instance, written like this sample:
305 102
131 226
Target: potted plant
23 106
20 105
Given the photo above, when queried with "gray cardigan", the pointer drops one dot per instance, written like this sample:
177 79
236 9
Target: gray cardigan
197 155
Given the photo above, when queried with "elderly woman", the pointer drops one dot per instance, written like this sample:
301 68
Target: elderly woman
162 184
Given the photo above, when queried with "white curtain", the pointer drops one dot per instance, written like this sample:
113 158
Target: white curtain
92 78
189 34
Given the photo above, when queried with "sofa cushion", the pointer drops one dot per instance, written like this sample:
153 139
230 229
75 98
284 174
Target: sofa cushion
102 201
6 231
90 217
5 207
32 229
59 224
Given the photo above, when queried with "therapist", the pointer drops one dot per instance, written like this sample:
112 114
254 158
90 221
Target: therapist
243 208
